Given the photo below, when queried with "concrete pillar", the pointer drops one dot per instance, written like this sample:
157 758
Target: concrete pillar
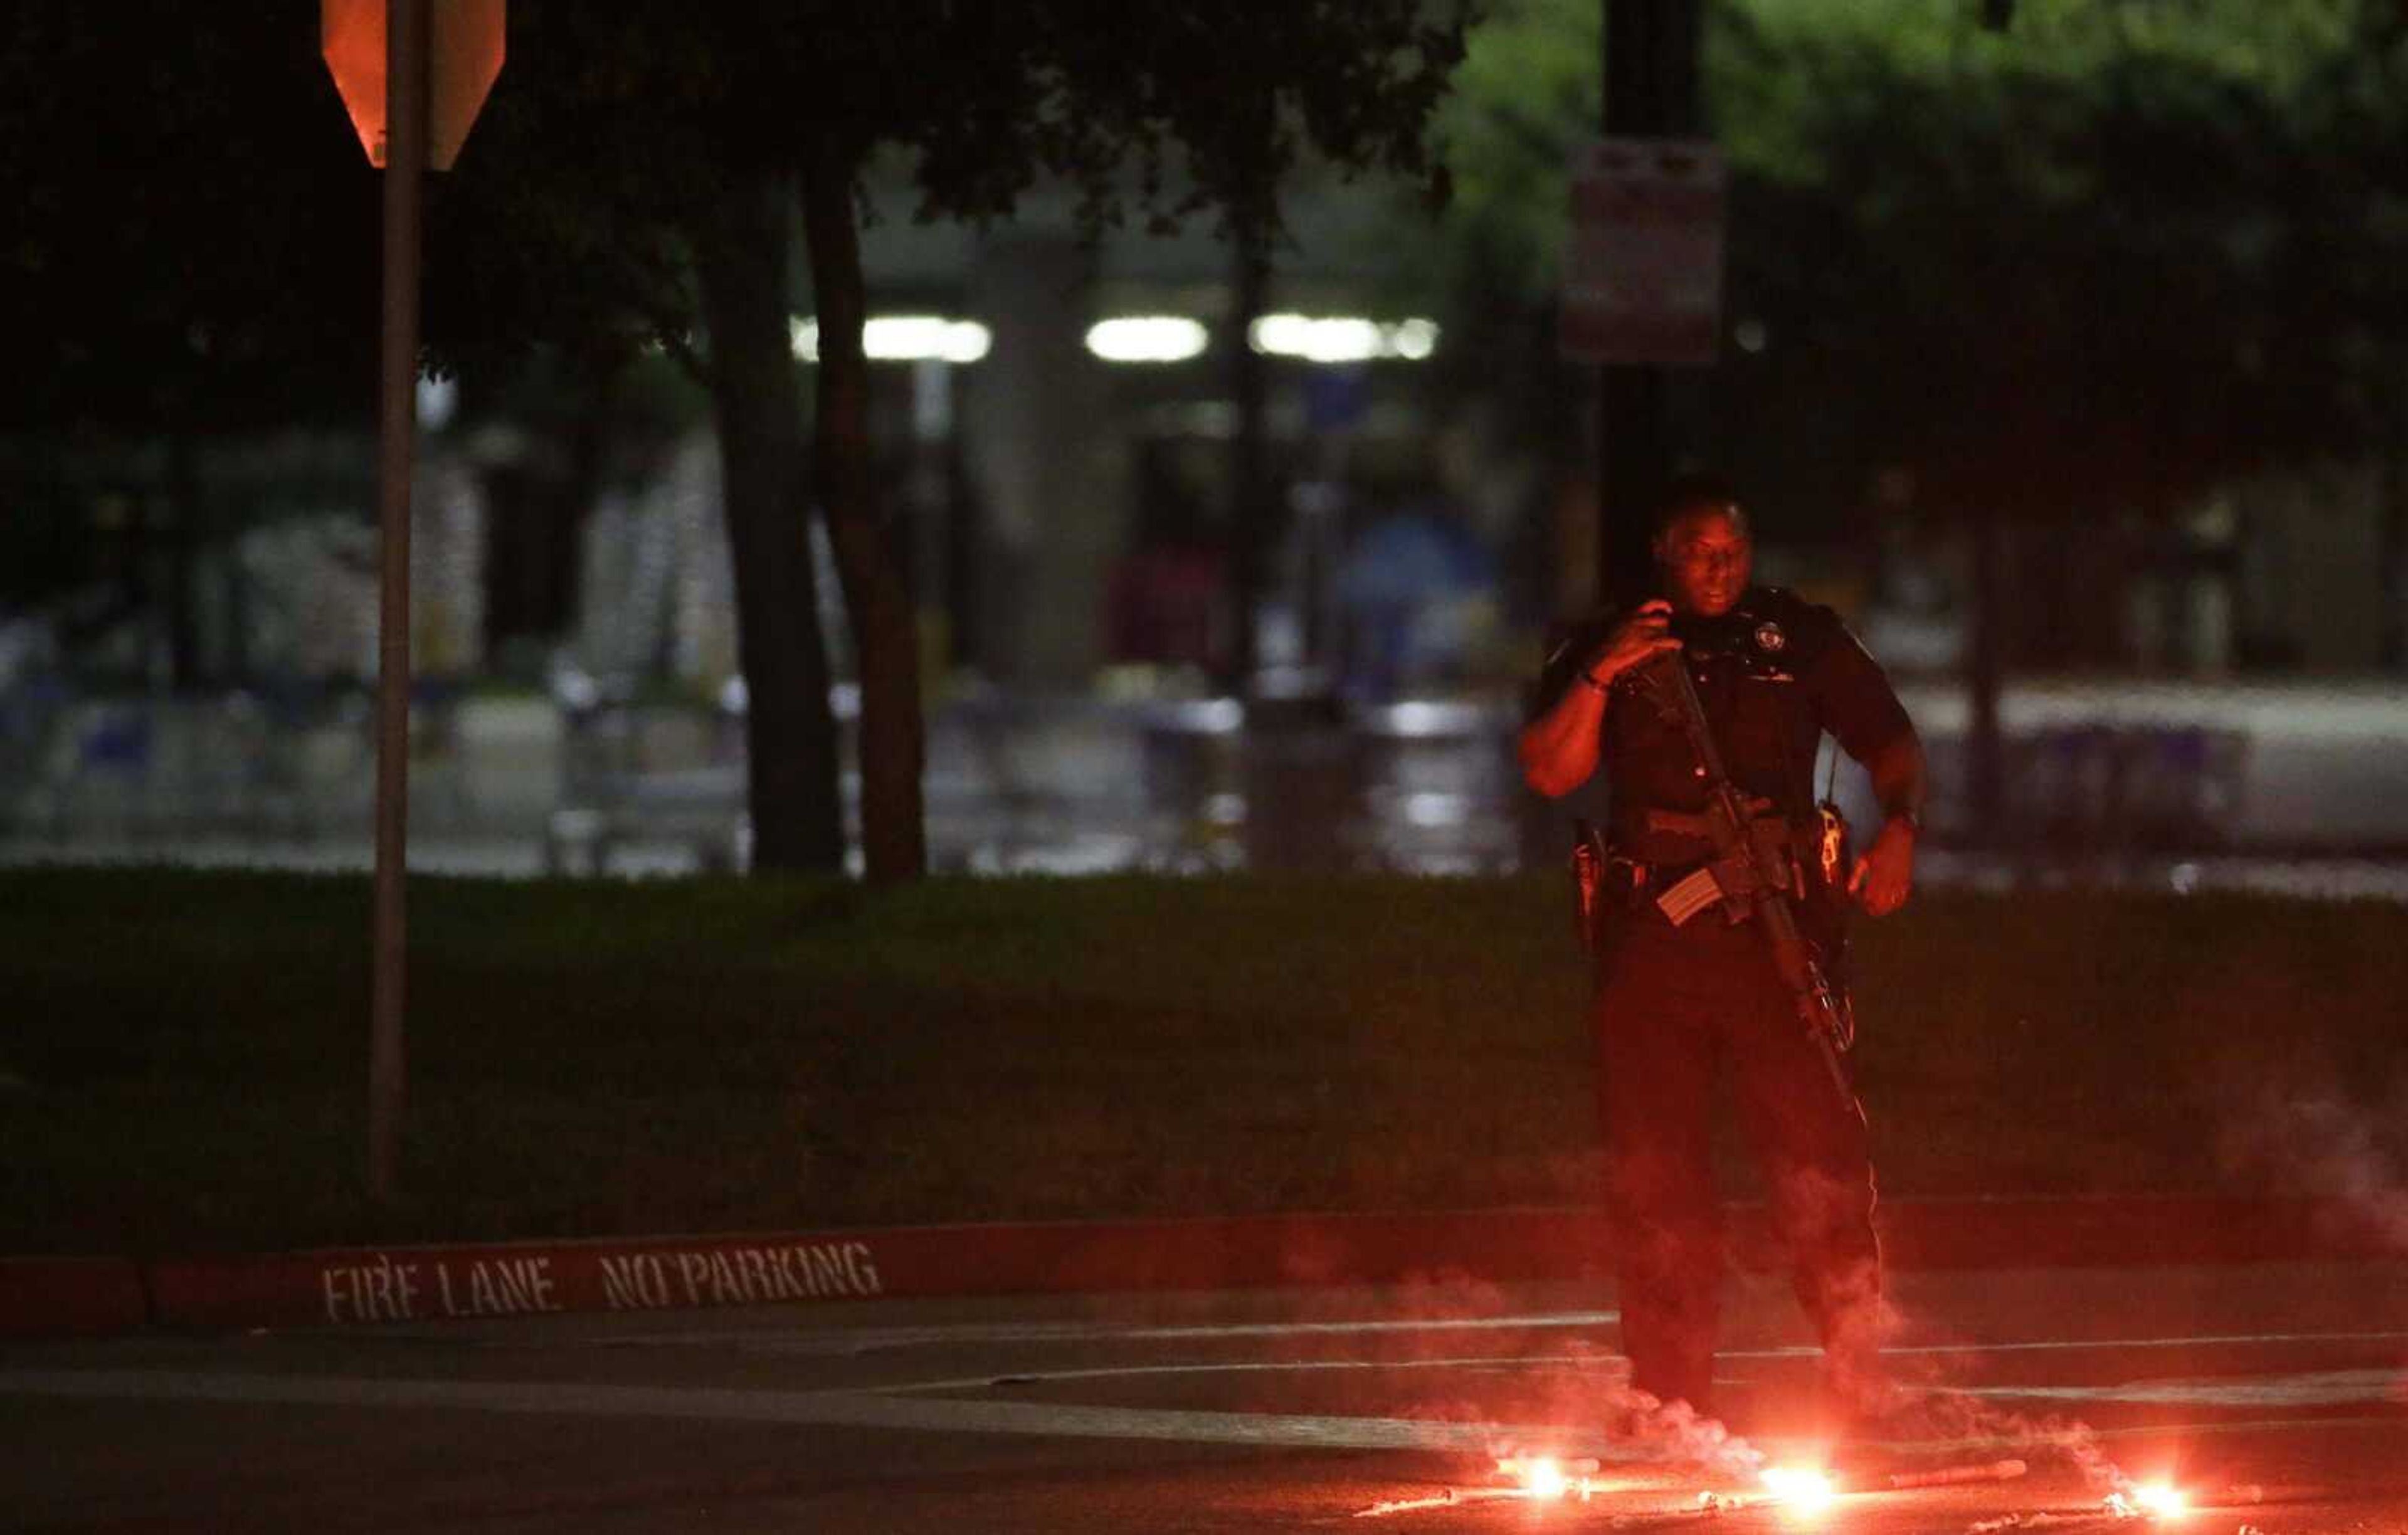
1046 465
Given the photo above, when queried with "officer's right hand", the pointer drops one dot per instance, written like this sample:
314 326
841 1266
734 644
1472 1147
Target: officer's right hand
1645 634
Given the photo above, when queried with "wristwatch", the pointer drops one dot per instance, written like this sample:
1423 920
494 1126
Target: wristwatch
1595 686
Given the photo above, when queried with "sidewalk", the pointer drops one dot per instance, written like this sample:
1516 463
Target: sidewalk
370 1285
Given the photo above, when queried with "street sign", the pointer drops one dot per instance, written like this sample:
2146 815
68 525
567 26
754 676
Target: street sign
464 55
1643 275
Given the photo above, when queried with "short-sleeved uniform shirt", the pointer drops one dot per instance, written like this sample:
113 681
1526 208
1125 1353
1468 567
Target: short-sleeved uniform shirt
1773 674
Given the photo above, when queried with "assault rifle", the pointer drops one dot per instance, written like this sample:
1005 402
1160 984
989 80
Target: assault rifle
1752 872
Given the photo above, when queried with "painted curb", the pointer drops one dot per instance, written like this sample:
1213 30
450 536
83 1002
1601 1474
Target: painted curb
2132 1231
420 1284
373 1285
71 1294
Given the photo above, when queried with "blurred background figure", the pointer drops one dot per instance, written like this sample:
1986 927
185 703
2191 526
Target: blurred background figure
1418 595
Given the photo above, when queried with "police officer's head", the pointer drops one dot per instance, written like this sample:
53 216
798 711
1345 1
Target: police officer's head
1703 549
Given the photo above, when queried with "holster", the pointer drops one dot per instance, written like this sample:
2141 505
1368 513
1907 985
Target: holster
1592 903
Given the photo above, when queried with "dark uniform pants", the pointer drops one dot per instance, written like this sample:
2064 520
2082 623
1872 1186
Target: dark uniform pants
1671 1004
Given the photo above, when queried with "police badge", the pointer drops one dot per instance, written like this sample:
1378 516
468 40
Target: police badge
1769 637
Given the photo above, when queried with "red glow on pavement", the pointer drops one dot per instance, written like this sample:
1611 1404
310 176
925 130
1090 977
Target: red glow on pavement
1535 1479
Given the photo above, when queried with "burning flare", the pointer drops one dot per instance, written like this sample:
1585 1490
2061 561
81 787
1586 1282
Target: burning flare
2151 1501
1802 1488
1544 1478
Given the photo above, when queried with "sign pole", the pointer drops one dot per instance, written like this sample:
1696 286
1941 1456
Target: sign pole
1651 88
406 28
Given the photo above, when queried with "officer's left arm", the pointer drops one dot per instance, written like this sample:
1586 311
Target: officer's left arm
1853 700
1886 873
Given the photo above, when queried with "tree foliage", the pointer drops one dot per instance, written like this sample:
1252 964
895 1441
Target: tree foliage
630 173
622 123
2101 260
188 213
2075 267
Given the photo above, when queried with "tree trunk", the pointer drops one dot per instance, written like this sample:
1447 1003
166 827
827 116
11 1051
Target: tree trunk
790 733
562 526
1984 676
2391 563
184 552
1251 513
868 547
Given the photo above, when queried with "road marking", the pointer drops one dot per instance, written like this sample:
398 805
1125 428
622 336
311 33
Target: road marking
2037 1345
1614 1363
1601 1363
866 1340
838 1409
2314 1388
870 1410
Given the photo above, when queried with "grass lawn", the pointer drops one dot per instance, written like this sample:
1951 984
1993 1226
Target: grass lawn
182 1055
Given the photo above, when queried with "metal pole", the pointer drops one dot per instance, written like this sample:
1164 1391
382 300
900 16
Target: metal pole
1651 91
406 26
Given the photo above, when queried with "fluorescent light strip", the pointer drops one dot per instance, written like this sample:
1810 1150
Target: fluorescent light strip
1344 339
1147 339
905 338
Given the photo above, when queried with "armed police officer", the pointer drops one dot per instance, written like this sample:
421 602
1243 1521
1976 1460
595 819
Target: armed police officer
1689 979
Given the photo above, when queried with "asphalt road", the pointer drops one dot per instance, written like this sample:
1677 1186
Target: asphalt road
2273 1395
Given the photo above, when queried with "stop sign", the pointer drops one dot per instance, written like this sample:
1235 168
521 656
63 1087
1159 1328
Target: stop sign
465 53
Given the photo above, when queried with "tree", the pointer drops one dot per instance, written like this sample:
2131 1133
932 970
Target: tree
184 206
2050 275
2105 260
2143 204
684 137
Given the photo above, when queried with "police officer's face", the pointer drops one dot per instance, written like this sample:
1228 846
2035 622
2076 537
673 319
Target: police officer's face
1704 557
